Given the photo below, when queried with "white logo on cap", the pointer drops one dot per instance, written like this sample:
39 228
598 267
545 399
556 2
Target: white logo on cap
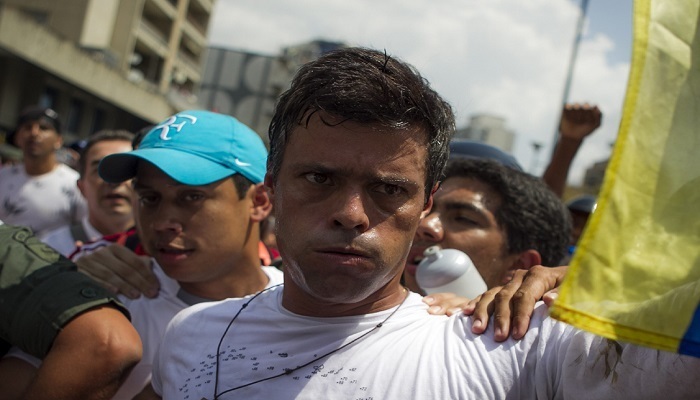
170 124
241 163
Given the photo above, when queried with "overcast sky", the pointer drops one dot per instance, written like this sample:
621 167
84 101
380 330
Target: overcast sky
502 57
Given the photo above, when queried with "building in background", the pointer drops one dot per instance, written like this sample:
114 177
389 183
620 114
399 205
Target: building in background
247 85
101 63
489 129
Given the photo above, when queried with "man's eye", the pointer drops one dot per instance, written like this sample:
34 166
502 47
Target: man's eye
193 197
461 219
147 199
390 190
315 177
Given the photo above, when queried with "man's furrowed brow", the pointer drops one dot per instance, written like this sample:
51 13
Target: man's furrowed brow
315 167
397 180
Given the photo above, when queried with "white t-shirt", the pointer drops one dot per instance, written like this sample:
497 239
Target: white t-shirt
43 202
414 355
62 239
150 317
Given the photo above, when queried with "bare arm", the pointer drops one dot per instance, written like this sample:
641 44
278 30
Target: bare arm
577 122
89 359
120 270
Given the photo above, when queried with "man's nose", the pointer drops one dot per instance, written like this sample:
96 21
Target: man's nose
164 219
351 212
35 129
430 229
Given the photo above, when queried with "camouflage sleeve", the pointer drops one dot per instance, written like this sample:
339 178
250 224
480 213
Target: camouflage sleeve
40 291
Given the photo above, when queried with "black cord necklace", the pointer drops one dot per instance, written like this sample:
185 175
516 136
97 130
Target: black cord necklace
287 371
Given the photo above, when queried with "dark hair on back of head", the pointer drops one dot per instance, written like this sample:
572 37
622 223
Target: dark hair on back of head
101 136
369 87
531 215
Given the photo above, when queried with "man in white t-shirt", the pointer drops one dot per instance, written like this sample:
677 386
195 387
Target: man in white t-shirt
358 144
198 178
109 205
40 193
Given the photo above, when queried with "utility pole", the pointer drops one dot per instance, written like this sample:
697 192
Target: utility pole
572 63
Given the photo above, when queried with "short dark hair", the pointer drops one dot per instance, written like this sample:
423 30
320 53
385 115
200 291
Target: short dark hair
242 185
364 86
531 215
101 136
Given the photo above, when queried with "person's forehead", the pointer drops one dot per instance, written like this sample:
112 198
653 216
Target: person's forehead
106 147
41 121
149 176
469 189
366 139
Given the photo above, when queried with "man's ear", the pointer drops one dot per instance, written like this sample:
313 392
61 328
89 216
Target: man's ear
269 183
262 206
527 259
429 203
81 186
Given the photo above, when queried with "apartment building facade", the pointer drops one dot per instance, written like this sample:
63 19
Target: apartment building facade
101 63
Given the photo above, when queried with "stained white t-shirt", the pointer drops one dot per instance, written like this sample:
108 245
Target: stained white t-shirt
43 202
413 355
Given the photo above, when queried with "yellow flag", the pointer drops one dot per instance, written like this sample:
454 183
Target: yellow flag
635 275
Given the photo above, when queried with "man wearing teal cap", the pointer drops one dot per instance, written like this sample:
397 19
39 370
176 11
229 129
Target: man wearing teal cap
198 178
191 148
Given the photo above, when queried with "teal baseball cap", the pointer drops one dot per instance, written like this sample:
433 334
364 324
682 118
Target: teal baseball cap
194 148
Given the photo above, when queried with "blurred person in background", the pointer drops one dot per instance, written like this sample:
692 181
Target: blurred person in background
9 155
40 192
581 207
109 204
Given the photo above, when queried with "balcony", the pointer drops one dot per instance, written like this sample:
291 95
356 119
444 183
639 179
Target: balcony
189 66
152 38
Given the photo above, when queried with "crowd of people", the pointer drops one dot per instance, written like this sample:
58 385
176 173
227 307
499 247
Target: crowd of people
190 263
